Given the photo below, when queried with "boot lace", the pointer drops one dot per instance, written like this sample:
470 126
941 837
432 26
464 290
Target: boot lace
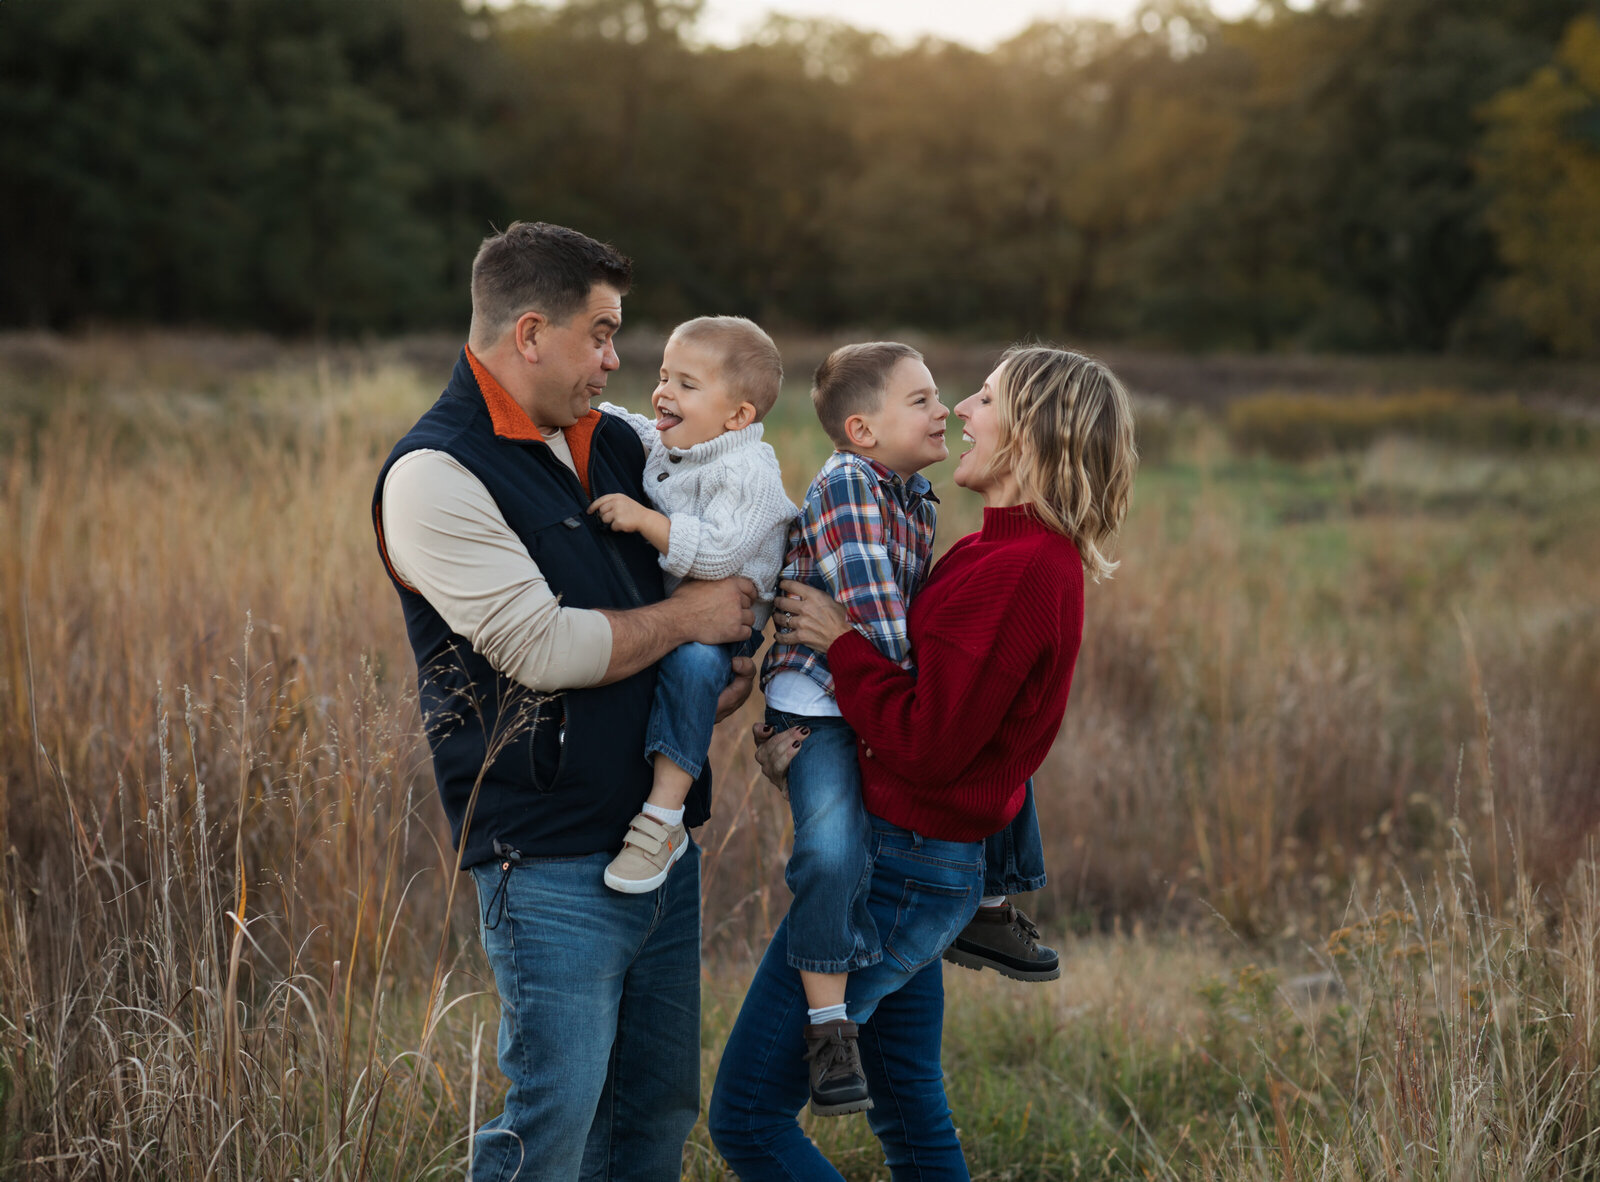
835 1056
1026 932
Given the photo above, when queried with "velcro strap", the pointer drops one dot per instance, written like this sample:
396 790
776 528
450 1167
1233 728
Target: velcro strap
639 836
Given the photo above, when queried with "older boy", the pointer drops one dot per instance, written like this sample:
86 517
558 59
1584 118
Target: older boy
865 534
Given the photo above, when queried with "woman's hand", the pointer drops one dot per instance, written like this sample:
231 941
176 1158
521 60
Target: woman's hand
775 751
808 616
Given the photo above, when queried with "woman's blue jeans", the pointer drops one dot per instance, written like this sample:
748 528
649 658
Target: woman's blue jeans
923 892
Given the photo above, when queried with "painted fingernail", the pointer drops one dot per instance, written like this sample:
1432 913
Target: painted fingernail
805 730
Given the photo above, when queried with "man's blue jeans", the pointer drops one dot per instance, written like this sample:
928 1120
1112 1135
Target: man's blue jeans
923 893
689 680
599 1021
830 928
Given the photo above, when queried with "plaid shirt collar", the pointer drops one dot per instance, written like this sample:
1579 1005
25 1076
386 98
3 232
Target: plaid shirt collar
876 595
910 493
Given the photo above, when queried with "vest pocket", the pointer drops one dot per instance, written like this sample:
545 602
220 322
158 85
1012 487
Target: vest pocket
519 733
558 542
546 745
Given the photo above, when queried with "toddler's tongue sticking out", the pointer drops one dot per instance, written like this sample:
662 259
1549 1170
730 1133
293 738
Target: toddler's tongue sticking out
667 421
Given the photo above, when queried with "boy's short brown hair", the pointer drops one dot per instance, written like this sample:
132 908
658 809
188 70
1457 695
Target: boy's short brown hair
749 361
852 381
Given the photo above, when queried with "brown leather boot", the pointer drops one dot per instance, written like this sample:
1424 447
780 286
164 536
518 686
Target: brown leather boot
838 1085
1005 940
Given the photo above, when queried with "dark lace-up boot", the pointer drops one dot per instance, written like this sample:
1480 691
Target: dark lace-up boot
838 1085
1005 940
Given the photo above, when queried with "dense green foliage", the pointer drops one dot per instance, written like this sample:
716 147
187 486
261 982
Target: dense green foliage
1366 174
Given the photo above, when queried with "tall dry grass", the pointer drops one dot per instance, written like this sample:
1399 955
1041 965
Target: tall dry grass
233 944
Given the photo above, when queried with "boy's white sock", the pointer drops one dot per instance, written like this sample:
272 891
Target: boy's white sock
665 816
827 1014
986 901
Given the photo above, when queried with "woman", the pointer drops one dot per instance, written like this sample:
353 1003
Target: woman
946 753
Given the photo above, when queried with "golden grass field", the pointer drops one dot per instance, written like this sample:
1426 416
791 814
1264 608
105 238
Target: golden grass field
1320 823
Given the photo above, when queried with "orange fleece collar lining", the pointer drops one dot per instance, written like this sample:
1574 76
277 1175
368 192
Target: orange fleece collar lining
512 422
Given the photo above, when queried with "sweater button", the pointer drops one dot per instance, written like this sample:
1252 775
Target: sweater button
661 477
674 459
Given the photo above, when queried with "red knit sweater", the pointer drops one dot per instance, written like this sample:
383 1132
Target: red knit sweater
945 751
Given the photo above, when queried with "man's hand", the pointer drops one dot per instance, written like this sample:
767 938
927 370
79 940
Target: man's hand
718 612
738 691
712 613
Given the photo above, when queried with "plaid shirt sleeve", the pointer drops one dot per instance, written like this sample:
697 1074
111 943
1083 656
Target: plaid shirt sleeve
853 558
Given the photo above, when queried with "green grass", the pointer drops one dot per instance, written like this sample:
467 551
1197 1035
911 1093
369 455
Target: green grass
1436 1043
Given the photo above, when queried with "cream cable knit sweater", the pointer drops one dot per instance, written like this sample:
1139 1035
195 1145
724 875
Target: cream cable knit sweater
725 498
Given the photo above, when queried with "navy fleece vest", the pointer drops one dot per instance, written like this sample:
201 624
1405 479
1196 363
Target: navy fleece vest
563 773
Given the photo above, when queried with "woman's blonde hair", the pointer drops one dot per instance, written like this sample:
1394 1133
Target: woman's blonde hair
1066 433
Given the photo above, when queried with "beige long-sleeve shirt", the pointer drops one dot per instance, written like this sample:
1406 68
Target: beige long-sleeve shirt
447 538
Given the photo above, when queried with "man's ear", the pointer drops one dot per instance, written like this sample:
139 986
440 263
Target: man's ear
859 432
525 335
740 418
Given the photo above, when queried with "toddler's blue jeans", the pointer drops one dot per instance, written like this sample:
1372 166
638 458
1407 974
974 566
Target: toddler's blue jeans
688 681
830 926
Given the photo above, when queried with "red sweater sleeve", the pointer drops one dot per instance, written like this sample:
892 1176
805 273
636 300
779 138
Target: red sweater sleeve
973 655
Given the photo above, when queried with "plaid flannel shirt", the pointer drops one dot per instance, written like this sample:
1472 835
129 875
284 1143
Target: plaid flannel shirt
865 536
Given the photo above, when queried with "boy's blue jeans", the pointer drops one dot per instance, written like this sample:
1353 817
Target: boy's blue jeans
923 891
688 682
829 928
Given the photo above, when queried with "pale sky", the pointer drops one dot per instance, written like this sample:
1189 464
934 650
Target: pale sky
981 23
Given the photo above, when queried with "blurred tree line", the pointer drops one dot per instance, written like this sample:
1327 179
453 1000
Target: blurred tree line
1365 174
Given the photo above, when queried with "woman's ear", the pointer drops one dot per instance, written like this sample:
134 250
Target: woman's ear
740 418
859 432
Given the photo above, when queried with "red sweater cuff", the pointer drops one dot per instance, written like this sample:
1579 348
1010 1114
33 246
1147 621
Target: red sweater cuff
851 646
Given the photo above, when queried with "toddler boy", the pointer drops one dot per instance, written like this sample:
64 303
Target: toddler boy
720 510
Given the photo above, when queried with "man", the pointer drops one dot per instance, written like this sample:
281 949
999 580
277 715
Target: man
536 631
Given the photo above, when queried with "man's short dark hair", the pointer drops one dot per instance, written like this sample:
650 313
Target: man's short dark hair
534 266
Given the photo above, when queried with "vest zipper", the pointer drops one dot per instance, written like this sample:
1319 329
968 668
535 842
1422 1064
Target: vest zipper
607 542
610 545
